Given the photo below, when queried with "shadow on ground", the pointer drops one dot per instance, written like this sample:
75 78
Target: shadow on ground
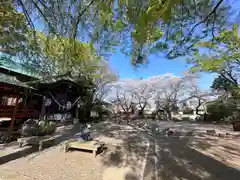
173 159
68 134
167 157
177 160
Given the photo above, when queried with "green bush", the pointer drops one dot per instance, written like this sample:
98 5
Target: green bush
186 119
153 115
46 128
220 111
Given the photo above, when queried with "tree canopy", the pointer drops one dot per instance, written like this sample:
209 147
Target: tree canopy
138 27
56 55
222 58
13 29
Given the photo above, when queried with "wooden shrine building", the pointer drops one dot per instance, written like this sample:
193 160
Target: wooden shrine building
24 95
18 101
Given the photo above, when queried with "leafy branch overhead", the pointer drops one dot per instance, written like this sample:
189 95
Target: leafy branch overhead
13 29
138 27
222 58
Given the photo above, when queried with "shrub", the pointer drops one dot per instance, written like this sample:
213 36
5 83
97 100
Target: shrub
153 115
39 129
186 118
220 111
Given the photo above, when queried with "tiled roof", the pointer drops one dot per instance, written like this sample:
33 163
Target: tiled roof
9 64
12 80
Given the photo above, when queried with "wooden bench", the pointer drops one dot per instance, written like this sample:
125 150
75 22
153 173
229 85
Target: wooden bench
36 140
93 146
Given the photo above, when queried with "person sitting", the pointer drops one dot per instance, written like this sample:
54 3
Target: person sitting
86 134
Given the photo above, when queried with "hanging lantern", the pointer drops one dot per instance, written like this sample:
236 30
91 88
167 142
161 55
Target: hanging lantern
48 102
68 105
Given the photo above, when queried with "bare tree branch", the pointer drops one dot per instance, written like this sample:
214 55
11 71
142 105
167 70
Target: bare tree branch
201 22
25 12
76 23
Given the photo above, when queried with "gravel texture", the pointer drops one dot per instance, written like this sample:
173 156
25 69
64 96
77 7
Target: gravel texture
134 155
53 164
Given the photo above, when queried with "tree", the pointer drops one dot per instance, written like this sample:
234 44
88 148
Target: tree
200 97
142 91
224 57
102 82
172 91
55 55
224 60
140 27
220 110
124 100
13 29
167 95
221 83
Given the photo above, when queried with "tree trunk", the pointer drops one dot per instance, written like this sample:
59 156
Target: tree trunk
43 108
140 113
127 117
169 115
88 113
119 119
197 108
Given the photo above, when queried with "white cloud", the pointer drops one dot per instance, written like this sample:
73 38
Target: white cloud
127 84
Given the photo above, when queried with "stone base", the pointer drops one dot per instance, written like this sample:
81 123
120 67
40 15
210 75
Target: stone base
236 125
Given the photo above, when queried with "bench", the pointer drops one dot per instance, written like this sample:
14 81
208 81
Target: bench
36 140
93 146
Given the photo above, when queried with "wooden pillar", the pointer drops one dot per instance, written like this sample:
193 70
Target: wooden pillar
42 108
14 112
76 119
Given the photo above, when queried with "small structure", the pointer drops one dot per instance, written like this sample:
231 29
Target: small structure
236 125
36 140
18 100
25 95
94 146
61 98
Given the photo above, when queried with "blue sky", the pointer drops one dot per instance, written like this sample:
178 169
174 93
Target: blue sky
157 66
160 65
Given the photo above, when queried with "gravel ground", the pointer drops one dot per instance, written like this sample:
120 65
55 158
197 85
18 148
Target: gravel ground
124 159
134 155
53 164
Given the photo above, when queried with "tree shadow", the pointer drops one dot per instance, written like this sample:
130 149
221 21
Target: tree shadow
231 150
131 176
176 160
125 154
221 148
63 136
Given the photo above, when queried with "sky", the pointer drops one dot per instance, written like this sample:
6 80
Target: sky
156 66
159 65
